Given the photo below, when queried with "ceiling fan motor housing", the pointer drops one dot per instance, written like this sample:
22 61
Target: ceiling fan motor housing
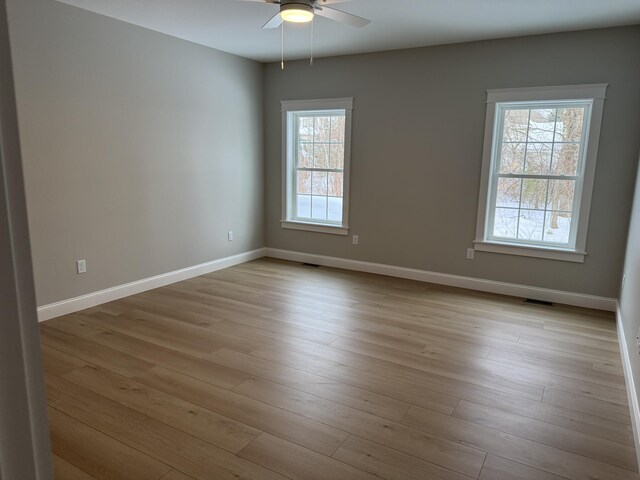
299 3
297 11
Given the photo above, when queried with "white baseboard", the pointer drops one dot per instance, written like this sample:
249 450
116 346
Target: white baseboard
632 393
71 305
512 289
76 304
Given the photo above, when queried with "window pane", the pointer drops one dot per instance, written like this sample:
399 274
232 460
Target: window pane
305 129
557 227
304 183
530 225
512 157
305 155
505 223
561 194
538 160
321 154
335 209
515 125
335 184
319 208
319 181
337 128
508 194
337 156
534 193
570 124
541 124
304 206
565 158
322 129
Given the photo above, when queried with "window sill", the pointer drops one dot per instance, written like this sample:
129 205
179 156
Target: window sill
527 251
315 227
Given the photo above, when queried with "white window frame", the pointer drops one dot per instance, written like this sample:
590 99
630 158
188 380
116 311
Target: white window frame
594 95
290 107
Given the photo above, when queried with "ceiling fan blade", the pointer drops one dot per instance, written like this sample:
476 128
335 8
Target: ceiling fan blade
342 17
275 21
263 1
321 3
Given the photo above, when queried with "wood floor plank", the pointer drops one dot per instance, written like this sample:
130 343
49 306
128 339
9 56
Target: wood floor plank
159 330
132 430
606 451
92 352
497 372
98 454
380 405
343 372
219 430
298 463
497 468
155 302
59 363
391 464
565 417
289 426
572 369
450 370
517 449
196 367
274 323
63 470
176 475
580 403
429 447
438 392
75 324
562 345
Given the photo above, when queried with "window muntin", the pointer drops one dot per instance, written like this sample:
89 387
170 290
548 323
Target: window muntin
537 170
318 166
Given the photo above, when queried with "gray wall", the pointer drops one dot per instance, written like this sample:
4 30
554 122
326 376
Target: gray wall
418 128
630 296
140 150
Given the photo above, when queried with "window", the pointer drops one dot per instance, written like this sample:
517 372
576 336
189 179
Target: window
316 148
538 169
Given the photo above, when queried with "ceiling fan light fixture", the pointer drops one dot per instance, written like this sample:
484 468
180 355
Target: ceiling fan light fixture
296 12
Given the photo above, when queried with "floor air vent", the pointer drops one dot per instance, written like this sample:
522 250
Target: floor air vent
538 302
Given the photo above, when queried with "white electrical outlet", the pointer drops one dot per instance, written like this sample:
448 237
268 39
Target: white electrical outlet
470 253
355 239
624 278
81 266
638 339
230 236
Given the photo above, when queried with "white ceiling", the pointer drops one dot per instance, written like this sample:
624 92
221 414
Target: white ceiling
235 25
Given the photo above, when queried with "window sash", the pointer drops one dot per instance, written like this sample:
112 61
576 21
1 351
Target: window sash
498 135
293 118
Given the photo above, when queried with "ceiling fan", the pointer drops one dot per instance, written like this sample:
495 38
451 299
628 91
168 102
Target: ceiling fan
302 11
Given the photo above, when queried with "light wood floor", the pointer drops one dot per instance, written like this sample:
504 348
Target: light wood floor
274 370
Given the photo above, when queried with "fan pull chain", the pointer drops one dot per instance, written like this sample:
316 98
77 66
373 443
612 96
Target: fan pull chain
282 47
312 31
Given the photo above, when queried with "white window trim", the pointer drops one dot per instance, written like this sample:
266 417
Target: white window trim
594 93
287 106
